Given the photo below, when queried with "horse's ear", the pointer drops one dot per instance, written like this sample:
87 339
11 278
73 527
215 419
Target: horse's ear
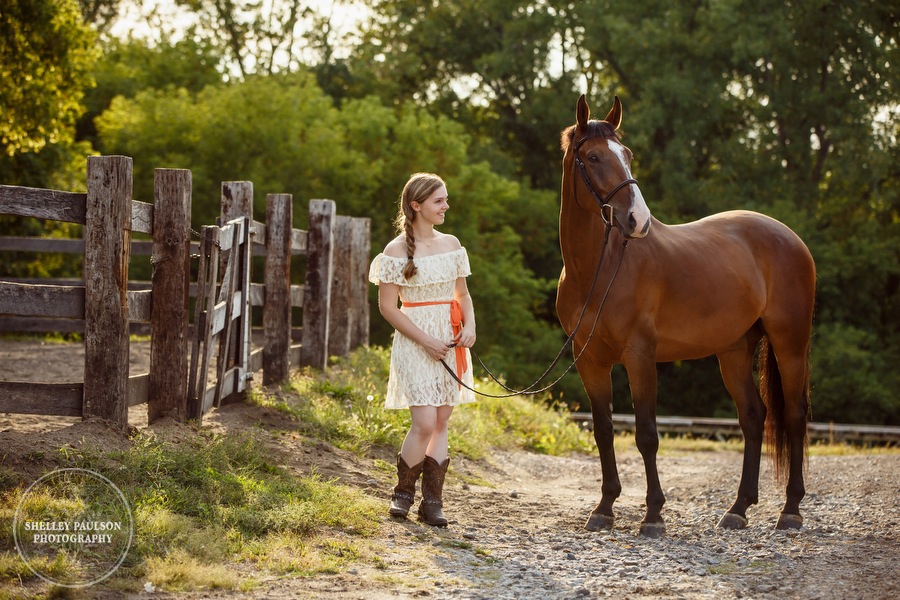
582 112
614 117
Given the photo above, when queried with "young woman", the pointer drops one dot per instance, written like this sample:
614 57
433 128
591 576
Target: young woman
424 271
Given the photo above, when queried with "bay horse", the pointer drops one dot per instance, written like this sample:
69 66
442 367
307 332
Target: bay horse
723 285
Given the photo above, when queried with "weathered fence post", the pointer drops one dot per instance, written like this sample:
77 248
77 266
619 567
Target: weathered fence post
341 315
316 301
360 247
107 236
237 201
171 283
277 307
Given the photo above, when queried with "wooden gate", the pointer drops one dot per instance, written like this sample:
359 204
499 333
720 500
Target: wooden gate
221 317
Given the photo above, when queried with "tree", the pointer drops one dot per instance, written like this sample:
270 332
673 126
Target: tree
45 54
258 38
487 63
100 13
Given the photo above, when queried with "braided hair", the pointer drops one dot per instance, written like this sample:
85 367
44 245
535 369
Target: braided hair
419 187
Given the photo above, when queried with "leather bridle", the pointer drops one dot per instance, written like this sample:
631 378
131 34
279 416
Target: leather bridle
602 201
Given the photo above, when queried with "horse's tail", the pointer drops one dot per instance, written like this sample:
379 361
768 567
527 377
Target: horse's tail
772 394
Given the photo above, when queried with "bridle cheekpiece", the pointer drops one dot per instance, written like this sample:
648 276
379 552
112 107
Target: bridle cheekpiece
602 201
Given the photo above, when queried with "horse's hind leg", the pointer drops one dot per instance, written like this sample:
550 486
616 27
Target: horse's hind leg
793 369
736 365
598 385
784 376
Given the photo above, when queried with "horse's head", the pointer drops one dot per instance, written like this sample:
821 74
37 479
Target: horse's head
601 167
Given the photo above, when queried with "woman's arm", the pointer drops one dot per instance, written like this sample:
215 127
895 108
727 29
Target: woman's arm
466 337
388 296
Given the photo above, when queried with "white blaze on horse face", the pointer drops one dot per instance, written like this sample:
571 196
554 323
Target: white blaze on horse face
639 209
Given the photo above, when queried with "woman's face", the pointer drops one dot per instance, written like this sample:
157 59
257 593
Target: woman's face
432 209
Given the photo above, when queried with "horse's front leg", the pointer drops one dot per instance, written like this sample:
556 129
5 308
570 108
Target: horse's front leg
598 385
641 368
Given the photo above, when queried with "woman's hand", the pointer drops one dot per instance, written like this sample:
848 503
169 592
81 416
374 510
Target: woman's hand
466 337
436 349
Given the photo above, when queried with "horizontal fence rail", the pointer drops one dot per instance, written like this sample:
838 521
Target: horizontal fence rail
721 429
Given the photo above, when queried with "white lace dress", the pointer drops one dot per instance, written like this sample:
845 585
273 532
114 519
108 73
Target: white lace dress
416 379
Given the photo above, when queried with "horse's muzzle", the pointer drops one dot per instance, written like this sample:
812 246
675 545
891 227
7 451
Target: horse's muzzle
631 231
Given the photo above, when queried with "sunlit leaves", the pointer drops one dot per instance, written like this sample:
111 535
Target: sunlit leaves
45 54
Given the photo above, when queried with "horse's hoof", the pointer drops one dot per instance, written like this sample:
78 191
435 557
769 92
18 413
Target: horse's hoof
598 522
653 530
732 521
789 521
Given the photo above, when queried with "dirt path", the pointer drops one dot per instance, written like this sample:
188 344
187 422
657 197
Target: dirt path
517 526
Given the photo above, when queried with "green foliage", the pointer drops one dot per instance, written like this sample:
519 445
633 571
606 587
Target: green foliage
853 375
255 37
127 67
281 133
100 13
41 264
45 57
501 49
59 166
45 53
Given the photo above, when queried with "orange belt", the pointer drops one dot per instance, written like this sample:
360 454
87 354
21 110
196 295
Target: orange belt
456 318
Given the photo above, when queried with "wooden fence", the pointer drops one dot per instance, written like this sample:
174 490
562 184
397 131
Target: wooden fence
104 308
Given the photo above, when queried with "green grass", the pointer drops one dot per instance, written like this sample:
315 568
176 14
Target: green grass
211 500
59 338
844 449
346 408
47 338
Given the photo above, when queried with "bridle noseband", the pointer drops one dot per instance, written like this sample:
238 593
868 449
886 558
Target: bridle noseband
602 201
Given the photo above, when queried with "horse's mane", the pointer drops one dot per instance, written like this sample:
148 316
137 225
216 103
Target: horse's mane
594 128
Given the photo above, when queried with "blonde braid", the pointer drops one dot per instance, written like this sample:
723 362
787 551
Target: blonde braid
410 268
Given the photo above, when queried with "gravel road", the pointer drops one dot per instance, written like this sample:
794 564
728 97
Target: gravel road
518 534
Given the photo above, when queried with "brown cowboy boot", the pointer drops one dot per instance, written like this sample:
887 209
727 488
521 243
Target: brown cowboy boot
405 491
430 508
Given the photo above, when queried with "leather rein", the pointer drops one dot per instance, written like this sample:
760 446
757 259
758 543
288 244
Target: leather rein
603 203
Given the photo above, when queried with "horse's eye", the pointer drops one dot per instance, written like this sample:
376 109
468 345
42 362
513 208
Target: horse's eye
593 158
